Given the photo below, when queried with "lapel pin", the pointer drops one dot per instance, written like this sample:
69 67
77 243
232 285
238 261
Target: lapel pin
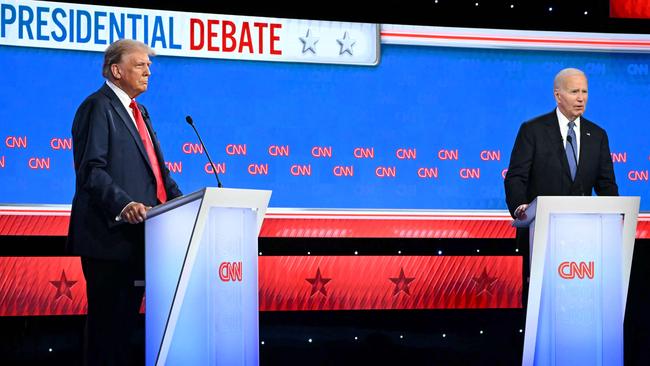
588 134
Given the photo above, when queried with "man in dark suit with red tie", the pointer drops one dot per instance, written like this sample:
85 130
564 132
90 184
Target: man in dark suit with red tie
559 153
120 174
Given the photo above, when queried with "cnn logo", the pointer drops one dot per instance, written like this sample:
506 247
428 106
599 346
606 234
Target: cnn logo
571 270
230 271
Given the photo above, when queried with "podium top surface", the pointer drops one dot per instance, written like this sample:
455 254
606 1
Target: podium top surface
176 202
579 205
228 196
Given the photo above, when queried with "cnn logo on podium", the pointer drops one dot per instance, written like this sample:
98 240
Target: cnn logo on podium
230 271
571 270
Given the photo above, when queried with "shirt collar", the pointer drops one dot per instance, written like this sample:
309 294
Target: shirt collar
121 94
564 122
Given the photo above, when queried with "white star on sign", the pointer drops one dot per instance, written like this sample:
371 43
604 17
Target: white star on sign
346 44
309 42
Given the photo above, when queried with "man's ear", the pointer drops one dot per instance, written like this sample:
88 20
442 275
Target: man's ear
115 70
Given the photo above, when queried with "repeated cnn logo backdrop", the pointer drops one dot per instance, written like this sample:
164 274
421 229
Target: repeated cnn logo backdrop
425 127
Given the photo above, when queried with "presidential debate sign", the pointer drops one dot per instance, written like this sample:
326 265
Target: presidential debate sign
93 28
324 114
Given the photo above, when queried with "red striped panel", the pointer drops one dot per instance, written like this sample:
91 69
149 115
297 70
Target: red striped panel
56 286
385 228
639 9
34 225
388 282
323 225
41 286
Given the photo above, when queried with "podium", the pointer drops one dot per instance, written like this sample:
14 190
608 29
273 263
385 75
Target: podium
201 278
581 254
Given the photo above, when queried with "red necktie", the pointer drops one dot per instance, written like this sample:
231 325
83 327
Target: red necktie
151 153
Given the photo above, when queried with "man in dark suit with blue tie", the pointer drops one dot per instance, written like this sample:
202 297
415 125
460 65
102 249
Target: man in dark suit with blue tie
559 153
120 174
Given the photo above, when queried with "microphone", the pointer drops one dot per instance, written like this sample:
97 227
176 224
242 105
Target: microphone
144 112
191 123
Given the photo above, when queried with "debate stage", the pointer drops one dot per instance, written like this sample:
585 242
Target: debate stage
468 317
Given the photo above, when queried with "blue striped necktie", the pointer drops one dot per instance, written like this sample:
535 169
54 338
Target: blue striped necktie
570 150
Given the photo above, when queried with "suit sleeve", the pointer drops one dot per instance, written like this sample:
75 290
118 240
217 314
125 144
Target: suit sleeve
91 141
521 159
606 181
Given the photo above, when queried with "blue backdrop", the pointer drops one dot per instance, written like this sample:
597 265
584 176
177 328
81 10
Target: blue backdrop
425 99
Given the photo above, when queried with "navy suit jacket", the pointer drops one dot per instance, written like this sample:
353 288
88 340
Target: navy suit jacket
112 169
539 165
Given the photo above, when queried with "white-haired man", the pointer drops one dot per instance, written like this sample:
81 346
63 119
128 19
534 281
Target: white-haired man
560 153
120 174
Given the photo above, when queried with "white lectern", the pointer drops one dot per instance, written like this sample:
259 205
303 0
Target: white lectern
581 254
201 278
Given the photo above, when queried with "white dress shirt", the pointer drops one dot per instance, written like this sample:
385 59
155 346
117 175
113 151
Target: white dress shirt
124 99
564 130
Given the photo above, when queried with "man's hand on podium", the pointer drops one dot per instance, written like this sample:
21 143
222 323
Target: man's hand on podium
135 213
520 212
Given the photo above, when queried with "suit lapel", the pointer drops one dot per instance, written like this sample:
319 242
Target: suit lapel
586 143
154 140
128 122
556 142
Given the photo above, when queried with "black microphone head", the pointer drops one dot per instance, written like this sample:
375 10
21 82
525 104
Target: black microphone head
568 138
188 119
